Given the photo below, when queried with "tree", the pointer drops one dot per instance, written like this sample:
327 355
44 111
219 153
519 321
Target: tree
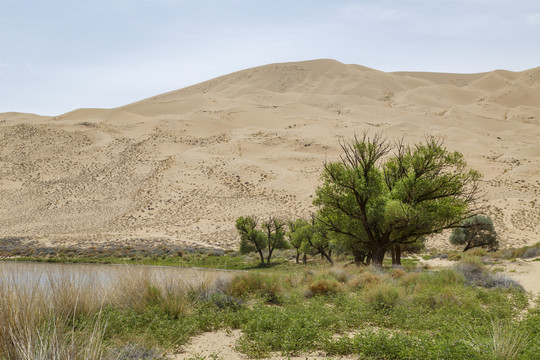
295 236
251 239
376 200
274 230
267 237
477 231
317 240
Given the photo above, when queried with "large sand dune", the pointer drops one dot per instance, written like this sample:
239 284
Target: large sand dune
182 166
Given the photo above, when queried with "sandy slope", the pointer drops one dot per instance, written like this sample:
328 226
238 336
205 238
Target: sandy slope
181 167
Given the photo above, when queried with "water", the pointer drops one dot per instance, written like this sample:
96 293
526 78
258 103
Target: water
101 277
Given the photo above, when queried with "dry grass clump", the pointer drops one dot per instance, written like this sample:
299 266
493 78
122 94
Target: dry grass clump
138 288
269 287
383 295
324 286
38 313
397 273
35 318
365 278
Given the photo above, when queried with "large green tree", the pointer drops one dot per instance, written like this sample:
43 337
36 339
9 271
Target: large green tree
376 199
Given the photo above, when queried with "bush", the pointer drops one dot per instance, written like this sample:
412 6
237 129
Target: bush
383 295
531 253
324 286
224 301
256 285
476 274
363 279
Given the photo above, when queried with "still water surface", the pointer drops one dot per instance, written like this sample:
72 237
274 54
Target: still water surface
93 274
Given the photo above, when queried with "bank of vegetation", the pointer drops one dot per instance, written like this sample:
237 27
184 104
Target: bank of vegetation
372 312
321 295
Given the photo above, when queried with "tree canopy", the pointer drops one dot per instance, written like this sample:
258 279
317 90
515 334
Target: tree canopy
375 200
477 231
262 239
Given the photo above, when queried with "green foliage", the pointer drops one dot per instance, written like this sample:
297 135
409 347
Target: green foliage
251 239
264 239
383 295
296 235
375 202
476 231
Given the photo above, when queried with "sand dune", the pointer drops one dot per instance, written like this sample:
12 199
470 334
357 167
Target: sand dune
182 166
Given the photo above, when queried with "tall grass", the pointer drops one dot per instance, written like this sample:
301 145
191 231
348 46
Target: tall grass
503 341
40 313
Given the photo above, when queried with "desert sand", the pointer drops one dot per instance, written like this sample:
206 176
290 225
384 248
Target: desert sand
182 166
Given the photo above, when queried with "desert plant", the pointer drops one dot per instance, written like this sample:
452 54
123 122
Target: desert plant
476 231
504 340
324 285
383 295
376 201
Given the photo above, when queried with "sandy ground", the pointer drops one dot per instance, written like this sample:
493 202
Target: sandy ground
181 167
220 344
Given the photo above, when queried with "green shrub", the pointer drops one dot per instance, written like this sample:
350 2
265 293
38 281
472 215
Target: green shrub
383 295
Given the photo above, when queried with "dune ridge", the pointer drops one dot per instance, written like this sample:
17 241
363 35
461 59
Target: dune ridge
180 167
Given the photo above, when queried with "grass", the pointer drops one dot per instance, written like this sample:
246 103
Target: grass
389 313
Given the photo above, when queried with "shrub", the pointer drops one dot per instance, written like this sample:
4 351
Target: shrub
224 301
339 274
531 253
324 286
383 295
476 274
363 279
504 340
254 284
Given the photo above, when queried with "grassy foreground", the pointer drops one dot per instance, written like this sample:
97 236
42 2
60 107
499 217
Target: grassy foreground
391 313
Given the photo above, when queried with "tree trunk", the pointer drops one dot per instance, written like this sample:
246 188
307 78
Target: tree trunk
269 256
305 259
359 257
378 256
393 252
297 255
328 257
397 251
262 257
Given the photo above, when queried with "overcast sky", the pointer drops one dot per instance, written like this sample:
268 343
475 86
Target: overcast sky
59 55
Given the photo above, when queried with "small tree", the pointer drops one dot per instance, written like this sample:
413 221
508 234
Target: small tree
295 236
316 240
477 231
251 239
274 231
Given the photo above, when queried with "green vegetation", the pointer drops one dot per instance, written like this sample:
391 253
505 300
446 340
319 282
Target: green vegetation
263 239
477 231
373 313
374 202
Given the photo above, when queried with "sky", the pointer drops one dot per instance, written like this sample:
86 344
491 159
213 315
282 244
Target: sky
60 55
